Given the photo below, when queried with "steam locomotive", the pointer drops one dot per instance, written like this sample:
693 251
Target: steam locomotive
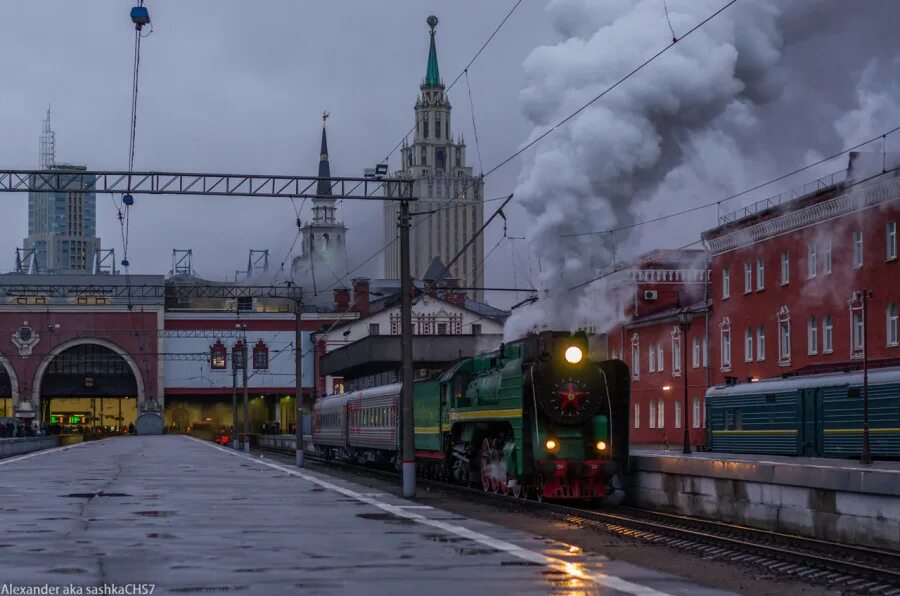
536 418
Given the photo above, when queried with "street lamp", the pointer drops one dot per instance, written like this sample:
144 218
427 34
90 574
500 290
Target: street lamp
859 300
684 322
243 341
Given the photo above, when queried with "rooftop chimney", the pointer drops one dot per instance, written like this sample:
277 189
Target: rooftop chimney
361 295
341 299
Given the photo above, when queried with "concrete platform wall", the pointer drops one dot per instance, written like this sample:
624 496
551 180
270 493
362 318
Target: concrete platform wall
288 442
18 446
847 505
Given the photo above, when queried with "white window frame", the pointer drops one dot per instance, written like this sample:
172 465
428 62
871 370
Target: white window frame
826 265
676 351
635 356
761 343
810 260
892 333
705 351
637 415
748 345
695 411
760 274
827 334
660 358
725 344
651 418
784 336
812 336
748 277
785 268
857 249
695 353
677 414
890 241
857 332
651 358
661 414
726 283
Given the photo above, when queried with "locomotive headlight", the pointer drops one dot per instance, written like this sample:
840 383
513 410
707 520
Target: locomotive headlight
601 446
573 355
550 444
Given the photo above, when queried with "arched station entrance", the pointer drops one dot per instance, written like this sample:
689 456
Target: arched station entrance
89 386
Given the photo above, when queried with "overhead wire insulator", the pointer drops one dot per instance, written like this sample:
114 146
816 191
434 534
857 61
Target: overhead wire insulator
140 16
127 200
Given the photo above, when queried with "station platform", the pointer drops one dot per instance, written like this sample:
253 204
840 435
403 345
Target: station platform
833 499
190 516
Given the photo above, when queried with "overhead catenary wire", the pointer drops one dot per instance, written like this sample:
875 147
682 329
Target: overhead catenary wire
738 194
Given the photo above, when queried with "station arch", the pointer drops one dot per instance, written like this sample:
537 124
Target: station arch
84 345
11 400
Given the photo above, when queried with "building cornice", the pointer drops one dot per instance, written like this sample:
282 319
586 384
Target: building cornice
857 200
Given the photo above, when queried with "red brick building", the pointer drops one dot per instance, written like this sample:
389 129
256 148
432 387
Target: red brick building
775 292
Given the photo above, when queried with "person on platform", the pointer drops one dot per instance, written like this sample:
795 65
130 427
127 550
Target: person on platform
131 428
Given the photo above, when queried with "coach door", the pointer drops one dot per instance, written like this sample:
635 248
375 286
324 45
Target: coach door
810 422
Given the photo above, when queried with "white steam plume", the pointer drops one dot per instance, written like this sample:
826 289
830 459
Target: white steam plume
592 173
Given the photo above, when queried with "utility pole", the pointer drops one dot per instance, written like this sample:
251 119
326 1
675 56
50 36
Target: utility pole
408 452
234 417
298 379
685 319
246 405
866 457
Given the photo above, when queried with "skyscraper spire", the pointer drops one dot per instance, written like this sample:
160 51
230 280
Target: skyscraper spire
48 144
433 75
323 188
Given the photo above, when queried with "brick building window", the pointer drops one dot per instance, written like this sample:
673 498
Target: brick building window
726 284
856 335
637 415
661 414
676 352
857 249
761 343
635 357
784 336
725 333
651 358
785 268
695 356
811 260
705 352
892 338
659 357
827 335
826 262
760 274
651 419
890 233
748 277
748 345
812 336
677 414
696 413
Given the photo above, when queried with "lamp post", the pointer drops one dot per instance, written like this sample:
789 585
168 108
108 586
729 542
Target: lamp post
860 300
243 328
684 321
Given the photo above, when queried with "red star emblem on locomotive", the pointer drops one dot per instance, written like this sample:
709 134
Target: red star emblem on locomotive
570 396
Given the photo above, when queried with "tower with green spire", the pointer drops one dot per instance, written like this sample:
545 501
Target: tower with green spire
435 159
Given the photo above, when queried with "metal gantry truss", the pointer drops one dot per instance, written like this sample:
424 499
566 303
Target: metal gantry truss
149 291
180 183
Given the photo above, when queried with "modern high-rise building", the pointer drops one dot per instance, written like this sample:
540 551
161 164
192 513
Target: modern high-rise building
324 256
444 184
62 226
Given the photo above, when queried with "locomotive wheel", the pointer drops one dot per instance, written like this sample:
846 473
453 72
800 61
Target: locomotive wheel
486 453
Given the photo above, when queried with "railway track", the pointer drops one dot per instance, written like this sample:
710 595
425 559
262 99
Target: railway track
841 566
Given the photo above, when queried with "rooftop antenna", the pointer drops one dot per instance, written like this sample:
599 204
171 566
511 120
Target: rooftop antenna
48 144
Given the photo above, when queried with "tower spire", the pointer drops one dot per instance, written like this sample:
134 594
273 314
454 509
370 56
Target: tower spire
48 144
432 75
323 188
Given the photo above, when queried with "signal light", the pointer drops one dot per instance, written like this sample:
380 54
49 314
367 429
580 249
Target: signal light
601 446
550 444
573 355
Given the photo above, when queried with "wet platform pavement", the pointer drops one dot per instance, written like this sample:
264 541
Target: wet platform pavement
190 517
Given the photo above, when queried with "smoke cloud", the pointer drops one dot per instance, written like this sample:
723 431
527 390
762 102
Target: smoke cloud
695 125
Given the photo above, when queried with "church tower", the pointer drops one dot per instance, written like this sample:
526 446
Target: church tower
436 162
324 254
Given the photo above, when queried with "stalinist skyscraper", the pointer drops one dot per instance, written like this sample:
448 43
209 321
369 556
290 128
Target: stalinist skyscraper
436 161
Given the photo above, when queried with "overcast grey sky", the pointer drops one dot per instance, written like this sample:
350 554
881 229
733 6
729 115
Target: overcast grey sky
237 86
